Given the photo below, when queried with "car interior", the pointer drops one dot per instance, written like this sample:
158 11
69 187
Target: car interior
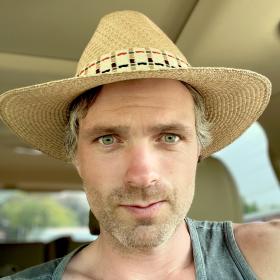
43 40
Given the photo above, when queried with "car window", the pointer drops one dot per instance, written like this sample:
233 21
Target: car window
248 161
31 217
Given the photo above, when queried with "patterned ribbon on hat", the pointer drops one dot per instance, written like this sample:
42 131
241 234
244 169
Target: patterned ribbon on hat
133 59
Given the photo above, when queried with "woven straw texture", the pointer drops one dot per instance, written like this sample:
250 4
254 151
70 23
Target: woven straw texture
233 98
124 30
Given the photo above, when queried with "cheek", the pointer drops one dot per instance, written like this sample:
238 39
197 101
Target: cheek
100 175
180 167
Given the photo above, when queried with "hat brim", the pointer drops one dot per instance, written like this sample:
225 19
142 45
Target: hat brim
234 99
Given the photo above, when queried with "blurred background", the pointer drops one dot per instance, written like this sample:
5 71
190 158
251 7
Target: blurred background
41 199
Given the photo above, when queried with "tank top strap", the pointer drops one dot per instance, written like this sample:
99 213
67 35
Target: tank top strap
200 270
236 253
216 253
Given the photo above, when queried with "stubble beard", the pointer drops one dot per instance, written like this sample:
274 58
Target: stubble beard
143 236
140 234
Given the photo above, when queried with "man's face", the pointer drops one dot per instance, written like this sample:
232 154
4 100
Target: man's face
137 155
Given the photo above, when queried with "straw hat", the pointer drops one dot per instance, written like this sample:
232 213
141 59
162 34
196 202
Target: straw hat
128 45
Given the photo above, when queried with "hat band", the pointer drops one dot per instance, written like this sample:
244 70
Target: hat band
133 59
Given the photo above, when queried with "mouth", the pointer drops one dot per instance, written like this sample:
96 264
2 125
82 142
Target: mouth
144 210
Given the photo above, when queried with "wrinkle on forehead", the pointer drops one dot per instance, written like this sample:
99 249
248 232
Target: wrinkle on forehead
135 106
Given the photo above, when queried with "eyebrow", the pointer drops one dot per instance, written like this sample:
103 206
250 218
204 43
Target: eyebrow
122 129
174 127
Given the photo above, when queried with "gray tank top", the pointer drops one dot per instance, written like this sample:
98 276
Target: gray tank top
216 253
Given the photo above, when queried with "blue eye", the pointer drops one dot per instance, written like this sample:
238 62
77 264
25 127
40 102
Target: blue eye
106 140
171 138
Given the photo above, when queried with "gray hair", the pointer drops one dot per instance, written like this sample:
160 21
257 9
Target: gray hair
202 125
80 106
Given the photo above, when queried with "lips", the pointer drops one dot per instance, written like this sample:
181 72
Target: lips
144 210
141 205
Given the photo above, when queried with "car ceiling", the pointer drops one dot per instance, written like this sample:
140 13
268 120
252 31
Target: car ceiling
43 40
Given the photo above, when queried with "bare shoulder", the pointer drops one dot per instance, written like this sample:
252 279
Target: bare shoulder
260 245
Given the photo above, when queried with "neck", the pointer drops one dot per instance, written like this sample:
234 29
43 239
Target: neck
168 259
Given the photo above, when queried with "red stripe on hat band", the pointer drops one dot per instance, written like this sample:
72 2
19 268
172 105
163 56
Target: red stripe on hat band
123 53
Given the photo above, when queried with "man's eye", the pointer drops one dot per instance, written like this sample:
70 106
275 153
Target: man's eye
106 140
170 138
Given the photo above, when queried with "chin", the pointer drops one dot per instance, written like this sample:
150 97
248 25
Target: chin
146 235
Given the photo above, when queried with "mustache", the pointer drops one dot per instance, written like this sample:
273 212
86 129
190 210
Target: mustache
130 194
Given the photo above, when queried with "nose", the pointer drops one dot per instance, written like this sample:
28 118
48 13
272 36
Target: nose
141 168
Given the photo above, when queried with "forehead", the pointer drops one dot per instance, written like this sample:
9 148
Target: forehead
141 103
165 94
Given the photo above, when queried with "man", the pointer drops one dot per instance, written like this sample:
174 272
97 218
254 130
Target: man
134 121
